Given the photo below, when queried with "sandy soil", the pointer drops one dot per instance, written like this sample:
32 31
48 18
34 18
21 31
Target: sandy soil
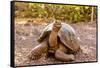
26 38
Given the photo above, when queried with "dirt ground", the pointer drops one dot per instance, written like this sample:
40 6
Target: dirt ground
26 38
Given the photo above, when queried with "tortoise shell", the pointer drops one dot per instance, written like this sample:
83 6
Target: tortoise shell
66 34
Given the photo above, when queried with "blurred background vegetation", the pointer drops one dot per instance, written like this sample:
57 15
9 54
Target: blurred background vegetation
46 12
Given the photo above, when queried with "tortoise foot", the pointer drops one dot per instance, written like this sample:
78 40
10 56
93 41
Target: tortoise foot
60 55
72 57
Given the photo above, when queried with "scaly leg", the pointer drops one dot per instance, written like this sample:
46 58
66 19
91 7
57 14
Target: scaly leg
60 54
38 51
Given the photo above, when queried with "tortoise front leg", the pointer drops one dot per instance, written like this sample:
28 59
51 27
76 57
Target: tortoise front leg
37 51
61 53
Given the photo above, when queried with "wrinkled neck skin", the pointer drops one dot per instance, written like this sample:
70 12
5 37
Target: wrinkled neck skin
53 39
54 32
55 29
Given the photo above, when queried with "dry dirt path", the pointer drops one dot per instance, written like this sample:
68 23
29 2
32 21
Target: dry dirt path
26 36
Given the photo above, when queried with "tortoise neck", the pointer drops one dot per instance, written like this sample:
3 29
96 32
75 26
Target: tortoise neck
54 31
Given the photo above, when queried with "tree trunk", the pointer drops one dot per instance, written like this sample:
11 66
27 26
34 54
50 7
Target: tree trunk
92 14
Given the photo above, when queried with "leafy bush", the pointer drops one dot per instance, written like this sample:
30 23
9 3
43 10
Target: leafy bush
70 13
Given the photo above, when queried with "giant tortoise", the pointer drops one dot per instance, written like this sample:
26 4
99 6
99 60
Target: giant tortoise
59 38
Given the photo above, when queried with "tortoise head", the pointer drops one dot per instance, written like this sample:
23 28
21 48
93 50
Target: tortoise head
57 25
